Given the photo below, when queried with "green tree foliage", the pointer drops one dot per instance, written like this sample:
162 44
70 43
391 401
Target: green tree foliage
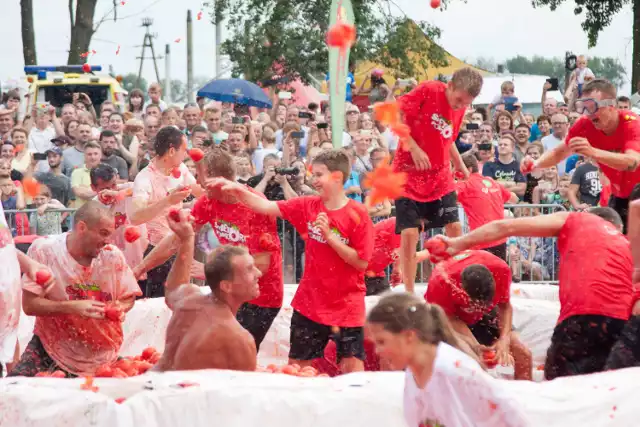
608 68
293 34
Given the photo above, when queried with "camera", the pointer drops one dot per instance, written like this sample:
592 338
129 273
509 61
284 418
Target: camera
287 171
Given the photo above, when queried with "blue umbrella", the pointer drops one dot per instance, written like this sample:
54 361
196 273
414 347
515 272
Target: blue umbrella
237 91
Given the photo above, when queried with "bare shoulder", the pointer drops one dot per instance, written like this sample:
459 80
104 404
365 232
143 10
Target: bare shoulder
232 340
183 296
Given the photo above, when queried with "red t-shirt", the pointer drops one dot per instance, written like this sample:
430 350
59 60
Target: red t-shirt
331 291
434 127
626 137
605 194
445 287
236 224
483 201
595 268
385 245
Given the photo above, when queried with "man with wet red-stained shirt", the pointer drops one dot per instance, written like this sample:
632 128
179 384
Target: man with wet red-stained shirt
203 332
596 292
78 319
483 201
609 136
433 112
474 288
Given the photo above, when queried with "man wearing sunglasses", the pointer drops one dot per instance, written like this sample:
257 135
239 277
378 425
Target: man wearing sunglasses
609 136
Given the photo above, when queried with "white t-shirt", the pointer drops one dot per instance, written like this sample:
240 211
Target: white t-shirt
163 105
550 142
460 394
10 292
40 142
391 139
150 186
303 141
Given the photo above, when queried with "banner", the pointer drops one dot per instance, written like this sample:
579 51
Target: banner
341 11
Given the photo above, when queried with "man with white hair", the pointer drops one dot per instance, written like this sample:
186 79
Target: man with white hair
560 126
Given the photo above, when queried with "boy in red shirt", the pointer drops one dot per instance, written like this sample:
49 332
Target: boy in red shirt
473 289
607 135
483 201
595 282
236 224
338 233
386 245
434 112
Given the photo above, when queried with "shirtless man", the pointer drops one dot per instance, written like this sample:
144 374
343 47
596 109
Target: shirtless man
203 332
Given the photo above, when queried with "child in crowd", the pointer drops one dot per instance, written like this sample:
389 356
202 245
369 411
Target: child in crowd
352 187
561 195
44 222
581 72
507 90
243 168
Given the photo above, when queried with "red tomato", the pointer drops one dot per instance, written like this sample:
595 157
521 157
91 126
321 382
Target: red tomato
290 370
489 358
104 371
196 154
42 277
59 374
113 313
148 353
174 214
119 373
120 400
437 247
86 68
435 4
175 172
131 234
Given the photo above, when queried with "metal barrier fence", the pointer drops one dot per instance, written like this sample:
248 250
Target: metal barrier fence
531 259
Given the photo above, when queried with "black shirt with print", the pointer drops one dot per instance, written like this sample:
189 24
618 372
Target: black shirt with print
588 182
503 172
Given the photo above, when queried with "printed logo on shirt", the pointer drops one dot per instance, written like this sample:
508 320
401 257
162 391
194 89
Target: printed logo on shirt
82 291
229 231
120 219
501 175
487 183
316 234
442 125
462 256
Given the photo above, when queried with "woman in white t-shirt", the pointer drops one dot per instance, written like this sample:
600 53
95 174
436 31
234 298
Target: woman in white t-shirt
444 386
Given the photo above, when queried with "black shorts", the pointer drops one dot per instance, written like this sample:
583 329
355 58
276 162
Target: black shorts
154 285
622 207
308 339
499 250
487 330
257 320
426 215
625 353
35 359
581 345
376 285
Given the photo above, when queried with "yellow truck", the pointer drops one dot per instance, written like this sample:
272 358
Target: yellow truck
55 85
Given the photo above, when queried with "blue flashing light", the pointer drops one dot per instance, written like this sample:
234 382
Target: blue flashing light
37 69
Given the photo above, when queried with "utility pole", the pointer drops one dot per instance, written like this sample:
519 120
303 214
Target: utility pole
167 73
189 57
148 42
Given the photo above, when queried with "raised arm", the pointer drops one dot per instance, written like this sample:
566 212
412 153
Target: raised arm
253 201
537 226
552 157
180 273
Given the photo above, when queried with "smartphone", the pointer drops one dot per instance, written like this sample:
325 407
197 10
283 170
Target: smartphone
553 82
39 156
473 126
297 134
284 95
237 120
485 147
304 115
323 125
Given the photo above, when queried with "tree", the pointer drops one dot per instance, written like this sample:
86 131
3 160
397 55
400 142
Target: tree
130 80
291 35
28 35
598 16
608 68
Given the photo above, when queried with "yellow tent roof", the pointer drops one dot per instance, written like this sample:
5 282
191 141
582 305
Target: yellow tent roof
364 68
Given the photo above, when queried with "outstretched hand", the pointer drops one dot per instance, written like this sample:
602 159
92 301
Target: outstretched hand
180 222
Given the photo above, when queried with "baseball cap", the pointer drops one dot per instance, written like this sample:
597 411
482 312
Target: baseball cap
63 139
54 150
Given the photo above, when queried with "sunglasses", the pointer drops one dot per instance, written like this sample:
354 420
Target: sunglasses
591 106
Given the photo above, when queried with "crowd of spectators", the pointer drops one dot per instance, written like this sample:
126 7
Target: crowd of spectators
272 150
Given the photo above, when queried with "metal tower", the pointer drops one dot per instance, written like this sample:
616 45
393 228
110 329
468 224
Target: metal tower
148 42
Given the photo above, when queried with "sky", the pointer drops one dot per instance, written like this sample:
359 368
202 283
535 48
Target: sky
496 29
